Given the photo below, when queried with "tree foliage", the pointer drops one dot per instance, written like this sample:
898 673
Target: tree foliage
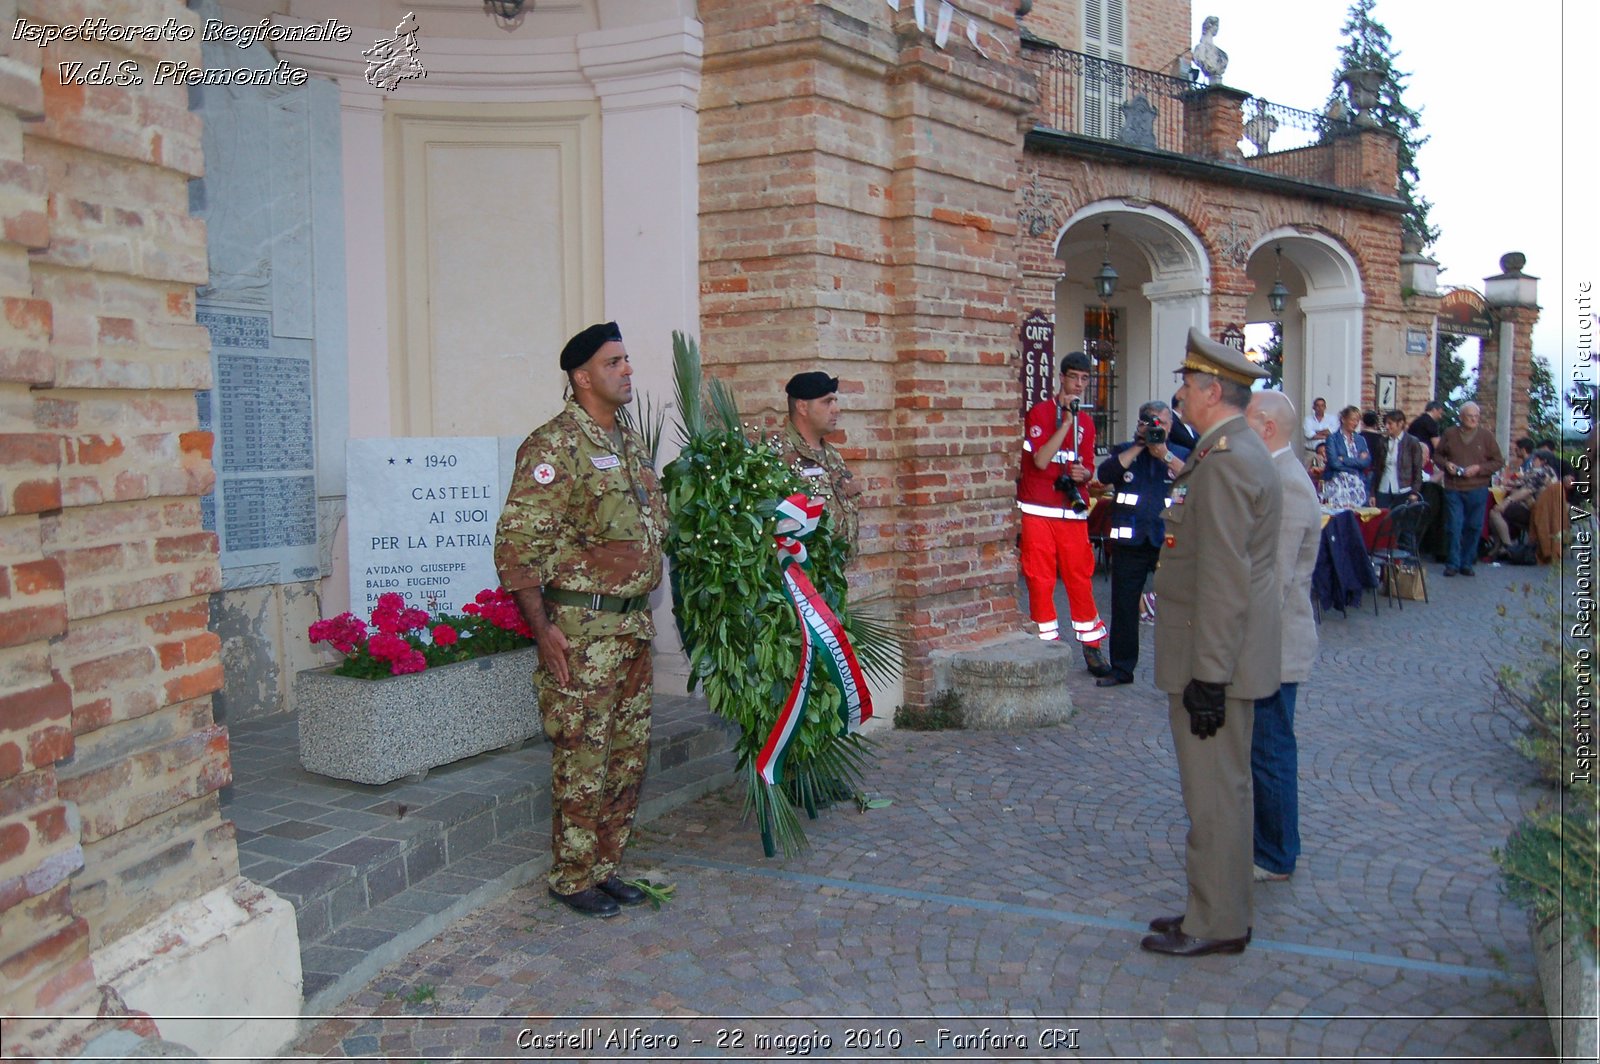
1544 405
1452 381
1367 46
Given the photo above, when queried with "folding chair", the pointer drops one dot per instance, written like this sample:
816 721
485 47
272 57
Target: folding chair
1397 548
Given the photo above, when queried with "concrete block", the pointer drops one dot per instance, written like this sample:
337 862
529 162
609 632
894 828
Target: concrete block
1017 682
374 731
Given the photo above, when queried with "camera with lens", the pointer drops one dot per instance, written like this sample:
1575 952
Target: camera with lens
1154 433
1069 487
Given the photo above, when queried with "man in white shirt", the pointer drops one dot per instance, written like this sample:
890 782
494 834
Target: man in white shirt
1319 424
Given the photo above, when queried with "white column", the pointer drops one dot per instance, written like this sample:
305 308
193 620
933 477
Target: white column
648 81
1332 351
1175 306
1502 389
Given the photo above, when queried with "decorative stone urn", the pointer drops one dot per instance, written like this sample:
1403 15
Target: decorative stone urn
1363 84
374 731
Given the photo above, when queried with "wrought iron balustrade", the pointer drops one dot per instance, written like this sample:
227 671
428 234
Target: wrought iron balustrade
1096 97
1093 97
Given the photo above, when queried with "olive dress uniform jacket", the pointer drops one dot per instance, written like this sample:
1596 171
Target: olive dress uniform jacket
1217 582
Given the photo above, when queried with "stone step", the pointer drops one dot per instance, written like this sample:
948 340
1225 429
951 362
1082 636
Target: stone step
374 871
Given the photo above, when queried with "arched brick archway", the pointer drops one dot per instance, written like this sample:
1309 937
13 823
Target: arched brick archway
1323 320
1163 288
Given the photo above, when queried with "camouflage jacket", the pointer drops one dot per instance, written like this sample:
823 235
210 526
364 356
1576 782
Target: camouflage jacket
824 470
581 516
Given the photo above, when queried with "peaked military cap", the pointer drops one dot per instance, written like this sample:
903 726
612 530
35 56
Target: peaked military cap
813 385
581 348
1205 355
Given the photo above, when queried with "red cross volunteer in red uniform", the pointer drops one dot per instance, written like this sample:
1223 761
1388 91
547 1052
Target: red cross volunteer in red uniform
1057 452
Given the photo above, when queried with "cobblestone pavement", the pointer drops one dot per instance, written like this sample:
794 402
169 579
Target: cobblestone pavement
1001 897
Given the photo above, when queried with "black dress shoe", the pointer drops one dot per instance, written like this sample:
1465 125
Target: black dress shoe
1451 570
1096 661
1166 925
626 893
1177 944
589 902
1114 680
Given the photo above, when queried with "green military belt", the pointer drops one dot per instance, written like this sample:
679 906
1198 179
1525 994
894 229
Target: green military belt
609 603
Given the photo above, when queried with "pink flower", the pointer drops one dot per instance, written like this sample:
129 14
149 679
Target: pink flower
386 646
413 619
410 661
445 636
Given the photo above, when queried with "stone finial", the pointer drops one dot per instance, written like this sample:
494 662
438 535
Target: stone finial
1207 56
1258 131
1512 262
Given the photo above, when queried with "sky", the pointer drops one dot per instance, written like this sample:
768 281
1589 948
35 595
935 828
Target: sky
1509 98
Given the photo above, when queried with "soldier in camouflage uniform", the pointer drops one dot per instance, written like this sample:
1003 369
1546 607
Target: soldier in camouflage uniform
580 545
813 413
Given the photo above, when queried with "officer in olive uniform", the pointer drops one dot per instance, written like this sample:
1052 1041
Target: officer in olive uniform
813 413
1217 641
580 545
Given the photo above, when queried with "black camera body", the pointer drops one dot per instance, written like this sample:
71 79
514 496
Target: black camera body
1069 487
1154 433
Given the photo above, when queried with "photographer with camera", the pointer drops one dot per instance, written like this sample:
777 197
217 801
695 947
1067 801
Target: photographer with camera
1140 473
1057 438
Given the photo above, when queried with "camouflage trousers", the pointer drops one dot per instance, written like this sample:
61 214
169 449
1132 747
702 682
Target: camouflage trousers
599 730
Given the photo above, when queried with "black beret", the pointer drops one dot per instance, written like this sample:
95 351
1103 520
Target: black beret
812 385
1077 360
581 348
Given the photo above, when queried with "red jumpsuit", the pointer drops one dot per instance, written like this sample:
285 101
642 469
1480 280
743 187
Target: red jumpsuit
1055 541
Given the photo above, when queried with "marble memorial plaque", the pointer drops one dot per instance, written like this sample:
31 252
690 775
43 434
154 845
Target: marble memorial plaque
264 505
422 513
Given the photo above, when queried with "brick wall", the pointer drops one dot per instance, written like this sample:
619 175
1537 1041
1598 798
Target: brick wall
1157 30
1370 235
857 214
109 757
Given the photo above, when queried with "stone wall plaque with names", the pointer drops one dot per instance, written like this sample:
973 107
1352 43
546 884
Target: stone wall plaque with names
422 513
264 505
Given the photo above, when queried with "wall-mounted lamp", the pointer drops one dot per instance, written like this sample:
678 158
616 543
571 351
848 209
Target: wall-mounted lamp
1278 298
1105 282
507 13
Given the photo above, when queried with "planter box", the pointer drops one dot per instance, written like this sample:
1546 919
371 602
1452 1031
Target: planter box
374 731
1568 977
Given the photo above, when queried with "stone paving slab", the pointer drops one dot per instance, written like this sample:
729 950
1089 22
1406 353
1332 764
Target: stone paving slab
419 849
1008 884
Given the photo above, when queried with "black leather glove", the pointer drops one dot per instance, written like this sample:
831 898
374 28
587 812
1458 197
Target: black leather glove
1206 704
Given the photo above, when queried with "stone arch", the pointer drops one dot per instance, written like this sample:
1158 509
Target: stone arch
1164 287
1323 322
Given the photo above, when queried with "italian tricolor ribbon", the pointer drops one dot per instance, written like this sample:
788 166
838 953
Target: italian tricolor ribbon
819 628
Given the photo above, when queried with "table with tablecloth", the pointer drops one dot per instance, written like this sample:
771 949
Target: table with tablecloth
1368 516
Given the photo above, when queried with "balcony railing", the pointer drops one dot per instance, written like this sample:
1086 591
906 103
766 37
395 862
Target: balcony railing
1093 97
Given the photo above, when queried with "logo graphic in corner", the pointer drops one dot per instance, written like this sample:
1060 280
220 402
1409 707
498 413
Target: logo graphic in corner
544 472
393 61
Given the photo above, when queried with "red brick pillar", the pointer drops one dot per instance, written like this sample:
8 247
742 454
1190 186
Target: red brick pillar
858 215
109 756
1213 122
1367 159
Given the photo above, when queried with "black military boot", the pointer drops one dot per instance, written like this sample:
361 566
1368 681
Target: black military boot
590 902
625 893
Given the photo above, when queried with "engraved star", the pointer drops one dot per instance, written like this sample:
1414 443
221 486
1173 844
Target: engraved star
408 461
391 461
